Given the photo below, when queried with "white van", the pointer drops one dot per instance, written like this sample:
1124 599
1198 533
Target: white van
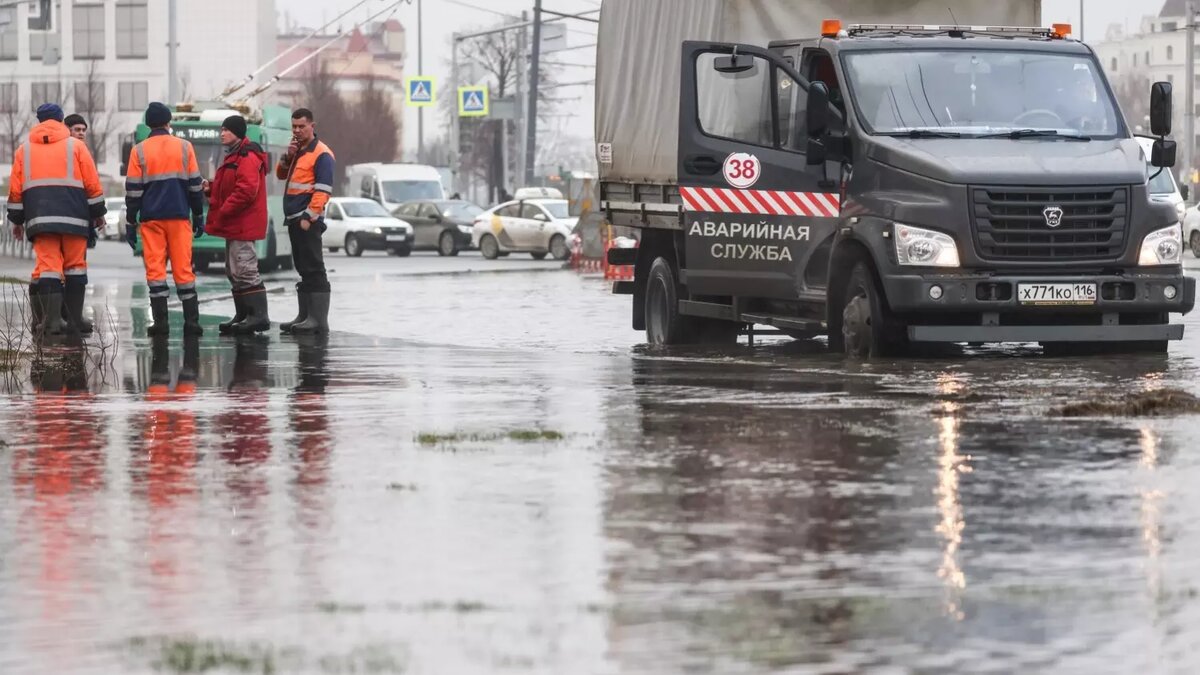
394 184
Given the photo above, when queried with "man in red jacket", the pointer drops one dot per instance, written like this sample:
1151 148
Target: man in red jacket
237 212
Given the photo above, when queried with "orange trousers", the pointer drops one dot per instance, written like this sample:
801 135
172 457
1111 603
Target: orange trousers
167 238
60 256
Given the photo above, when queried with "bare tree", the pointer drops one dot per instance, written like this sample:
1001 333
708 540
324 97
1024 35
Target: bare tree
341 123
498 57
1133 95
96 110
15 121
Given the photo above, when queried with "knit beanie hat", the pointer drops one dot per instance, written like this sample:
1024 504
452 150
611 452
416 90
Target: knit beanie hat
49 111
157 115
236 124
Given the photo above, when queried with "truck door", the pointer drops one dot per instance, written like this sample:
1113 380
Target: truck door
755 211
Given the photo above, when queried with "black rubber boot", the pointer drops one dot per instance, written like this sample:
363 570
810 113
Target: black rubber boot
190 369
302 300
239 315
74 297
160 364
50 296
191 316
257 320
317 322
36 314
158 312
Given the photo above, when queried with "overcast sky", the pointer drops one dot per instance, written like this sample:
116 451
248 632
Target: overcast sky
444 17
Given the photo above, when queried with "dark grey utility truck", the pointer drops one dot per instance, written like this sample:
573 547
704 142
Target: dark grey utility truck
881 184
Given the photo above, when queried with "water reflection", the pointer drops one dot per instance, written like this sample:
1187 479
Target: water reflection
951 465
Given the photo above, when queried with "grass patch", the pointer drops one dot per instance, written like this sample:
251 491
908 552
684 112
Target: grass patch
192 655
1157 403
340 608
519 435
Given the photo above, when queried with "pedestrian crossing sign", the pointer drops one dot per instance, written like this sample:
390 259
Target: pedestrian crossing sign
420 92
473 102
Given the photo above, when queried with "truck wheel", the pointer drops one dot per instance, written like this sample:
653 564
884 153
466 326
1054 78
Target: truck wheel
489 247
1194 243
664 325
868 327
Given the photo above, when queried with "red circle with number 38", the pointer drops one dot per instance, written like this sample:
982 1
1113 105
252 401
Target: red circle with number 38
741 170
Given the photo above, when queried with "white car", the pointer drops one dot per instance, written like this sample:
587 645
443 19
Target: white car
359 225
112 218
534 226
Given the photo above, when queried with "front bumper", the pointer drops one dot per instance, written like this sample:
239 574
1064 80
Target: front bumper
381 242
999 315
1137 292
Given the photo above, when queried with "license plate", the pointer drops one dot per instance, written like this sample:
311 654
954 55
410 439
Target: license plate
396 237
1056 294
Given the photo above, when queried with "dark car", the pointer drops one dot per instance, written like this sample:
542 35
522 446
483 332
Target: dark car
442 226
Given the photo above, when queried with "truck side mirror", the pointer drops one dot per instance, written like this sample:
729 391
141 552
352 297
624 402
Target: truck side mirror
1160 109
1162 154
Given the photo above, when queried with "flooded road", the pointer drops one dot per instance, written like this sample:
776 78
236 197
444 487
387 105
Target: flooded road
514 485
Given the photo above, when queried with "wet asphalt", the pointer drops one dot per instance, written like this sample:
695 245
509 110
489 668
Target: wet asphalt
482 470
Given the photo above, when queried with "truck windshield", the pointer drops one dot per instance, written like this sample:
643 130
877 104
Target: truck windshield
978 93
397 191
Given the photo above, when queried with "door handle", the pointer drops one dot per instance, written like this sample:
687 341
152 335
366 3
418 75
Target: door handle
701 165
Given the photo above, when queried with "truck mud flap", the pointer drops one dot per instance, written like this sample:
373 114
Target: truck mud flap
1045 333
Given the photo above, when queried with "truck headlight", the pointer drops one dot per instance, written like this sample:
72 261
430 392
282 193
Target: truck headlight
924 248
1162 247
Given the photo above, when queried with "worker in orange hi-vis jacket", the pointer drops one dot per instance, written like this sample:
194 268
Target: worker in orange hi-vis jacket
162 187
55 199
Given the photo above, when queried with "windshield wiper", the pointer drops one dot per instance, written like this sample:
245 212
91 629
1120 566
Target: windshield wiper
925 133
1037 133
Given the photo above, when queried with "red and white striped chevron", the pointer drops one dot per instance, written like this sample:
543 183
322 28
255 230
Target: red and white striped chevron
765 202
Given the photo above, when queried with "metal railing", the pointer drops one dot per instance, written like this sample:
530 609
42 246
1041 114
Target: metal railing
11 246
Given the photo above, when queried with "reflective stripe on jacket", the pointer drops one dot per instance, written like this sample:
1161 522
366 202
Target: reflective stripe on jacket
309 182
54 187
163 181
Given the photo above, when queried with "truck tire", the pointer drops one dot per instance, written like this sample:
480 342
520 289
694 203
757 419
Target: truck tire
665 326
869 329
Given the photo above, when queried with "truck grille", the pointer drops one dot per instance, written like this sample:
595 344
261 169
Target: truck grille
1011 223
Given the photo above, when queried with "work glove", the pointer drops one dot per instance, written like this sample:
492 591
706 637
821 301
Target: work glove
131 236
94 232
197 226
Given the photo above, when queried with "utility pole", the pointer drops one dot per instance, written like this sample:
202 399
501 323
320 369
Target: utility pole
1189 96
455 132
534 76
172 56
421 72
522 73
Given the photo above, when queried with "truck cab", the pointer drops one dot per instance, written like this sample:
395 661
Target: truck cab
887 185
